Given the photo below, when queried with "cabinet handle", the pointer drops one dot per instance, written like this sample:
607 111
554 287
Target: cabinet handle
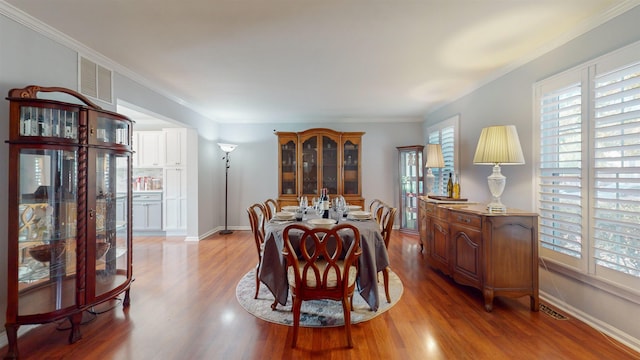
463 219
91 212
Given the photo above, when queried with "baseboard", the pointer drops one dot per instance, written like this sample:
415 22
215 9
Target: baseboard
595 323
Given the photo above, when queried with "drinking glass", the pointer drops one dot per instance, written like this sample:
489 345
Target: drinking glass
319 208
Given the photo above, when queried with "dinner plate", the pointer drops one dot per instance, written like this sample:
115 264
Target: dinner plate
360 215
290 208
322 223
284 215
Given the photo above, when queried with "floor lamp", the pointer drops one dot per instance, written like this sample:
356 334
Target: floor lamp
227 148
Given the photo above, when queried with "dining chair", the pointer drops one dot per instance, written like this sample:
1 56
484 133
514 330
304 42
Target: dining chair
257 217
271 207
375 208
317 269
388 216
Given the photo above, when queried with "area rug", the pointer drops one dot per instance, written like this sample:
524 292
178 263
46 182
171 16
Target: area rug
315 313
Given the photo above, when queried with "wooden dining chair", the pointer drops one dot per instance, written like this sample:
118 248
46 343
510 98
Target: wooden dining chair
316 268
388 215
375 208
257 216
271 207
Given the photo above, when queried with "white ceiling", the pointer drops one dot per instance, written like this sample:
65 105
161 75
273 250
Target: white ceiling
319 60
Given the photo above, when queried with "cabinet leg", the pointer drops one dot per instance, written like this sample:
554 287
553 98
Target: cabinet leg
535 303
127 300
488 300
12 337
75 334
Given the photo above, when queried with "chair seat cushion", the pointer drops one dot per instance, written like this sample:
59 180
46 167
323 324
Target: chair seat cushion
332 280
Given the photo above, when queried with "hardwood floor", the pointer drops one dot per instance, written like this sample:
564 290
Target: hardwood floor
183 306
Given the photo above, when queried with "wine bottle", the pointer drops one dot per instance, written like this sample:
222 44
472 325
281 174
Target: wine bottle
456 187
450 187
325 203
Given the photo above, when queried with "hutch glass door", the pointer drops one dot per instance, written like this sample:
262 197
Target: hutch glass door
310 166
350 156
288 176
330 165
47 209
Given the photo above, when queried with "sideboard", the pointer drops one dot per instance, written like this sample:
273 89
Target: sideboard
496 253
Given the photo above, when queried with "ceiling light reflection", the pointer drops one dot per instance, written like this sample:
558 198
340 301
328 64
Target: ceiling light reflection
228 316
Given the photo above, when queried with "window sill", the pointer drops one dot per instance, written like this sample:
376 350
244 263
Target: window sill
614 289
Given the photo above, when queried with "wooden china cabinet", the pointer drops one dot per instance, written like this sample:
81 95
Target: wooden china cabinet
69 235
319 158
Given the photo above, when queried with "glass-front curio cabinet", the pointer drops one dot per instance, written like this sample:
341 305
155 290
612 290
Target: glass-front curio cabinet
69 236
314 159
411 185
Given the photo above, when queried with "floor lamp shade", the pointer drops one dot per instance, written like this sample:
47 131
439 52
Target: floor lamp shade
498 145
434 160
227 148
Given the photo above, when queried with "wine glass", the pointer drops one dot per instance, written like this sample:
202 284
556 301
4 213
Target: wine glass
319 207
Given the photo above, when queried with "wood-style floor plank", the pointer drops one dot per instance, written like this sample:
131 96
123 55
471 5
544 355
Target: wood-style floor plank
183 306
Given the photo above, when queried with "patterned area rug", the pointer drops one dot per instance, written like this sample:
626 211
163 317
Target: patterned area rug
316 313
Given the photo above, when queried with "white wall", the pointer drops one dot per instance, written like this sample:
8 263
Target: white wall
509 100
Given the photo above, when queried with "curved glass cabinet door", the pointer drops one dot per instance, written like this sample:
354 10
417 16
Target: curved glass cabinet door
411 185
111 241
47 208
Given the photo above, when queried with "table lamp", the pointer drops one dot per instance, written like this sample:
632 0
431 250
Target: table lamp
498 145
434 160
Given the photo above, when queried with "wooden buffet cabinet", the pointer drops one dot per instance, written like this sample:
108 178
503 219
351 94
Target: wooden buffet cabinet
319 158
69 215
496 253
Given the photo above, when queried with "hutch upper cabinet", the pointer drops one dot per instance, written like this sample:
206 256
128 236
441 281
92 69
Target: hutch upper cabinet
319 158
411 185
69 235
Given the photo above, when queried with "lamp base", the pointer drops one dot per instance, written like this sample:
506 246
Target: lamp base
496 181
496 207
226 232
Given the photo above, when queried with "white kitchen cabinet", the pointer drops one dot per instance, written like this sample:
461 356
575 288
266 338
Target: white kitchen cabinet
150 149
175 199
175 140
147 212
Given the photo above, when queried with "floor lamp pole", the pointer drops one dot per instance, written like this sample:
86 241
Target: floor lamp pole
226 192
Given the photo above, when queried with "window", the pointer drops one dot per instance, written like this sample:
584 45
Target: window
444 133
589 167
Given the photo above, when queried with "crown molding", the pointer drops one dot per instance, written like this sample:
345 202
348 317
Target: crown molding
57 36
577 31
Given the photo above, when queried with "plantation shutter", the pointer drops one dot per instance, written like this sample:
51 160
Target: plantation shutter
560 172
446 138
616 170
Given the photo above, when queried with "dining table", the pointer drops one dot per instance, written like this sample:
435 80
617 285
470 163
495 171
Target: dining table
374 258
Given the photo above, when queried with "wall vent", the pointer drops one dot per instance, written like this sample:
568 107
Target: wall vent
95 80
